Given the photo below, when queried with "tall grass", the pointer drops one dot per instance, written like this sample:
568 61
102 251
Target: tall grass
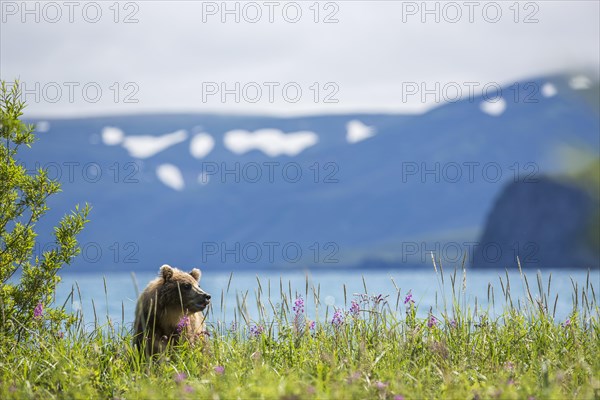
298 347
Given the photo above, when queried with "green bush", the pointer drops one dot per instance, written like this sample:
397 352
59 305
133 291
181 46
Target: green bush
22 203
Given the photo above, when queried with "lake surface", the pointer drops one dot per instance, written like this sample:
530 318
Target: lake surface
118 297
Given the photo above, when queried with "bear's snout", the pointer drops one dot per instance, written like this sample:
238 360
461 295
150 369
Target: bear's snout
205 297
202 300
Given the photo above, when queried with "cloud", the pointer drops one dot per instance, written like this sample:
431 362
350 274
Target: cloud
201 145
272 142
356 131
369 64
171 176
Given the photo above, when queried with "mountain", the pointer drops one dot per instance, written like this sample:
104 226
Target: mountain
546 223
414 184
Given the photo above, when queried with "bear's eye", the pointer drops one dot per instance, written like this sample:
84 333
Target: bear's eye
187 286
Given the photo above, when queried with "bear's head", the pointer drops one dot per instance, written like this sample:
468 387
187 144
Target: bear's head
181 289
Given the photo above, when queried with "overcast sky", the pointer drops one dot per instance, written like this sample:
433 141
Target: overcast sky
371 56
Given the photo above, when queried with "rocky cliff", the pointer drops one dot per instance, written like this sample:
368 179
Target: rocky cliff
548 223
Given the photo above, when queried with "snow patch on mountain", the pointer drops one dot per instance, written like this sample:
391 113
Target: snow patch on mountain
549 90
356 131
201 145
147 146
580 82
143 146
171 176
493 108
42 126
112 136
272 142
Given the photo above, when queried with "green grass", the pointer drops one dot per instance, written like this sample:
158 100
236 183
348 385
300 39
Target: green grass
382 351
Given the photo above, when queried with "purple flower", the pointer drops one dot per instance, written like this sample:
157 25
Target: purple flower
453 323
61 334
408 298
188 389
312 325
567 323
256 330
180 377
338 318
354 308
381 385
298 305
364 298
219 369
38 310
233 327
183 323
353 377
378 299
431 321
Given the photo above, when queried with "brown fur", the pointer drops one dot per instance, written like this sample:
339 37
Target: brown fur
161 306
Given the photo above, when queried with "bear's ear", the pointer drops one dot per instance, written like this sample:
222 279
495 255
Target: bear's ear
196 274
166 272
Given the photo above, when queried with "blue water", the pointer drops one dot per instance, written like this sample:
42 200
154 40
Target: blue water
117 298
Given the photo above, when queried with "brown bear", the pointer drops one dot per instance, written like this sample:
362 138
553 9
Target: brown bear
170 310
